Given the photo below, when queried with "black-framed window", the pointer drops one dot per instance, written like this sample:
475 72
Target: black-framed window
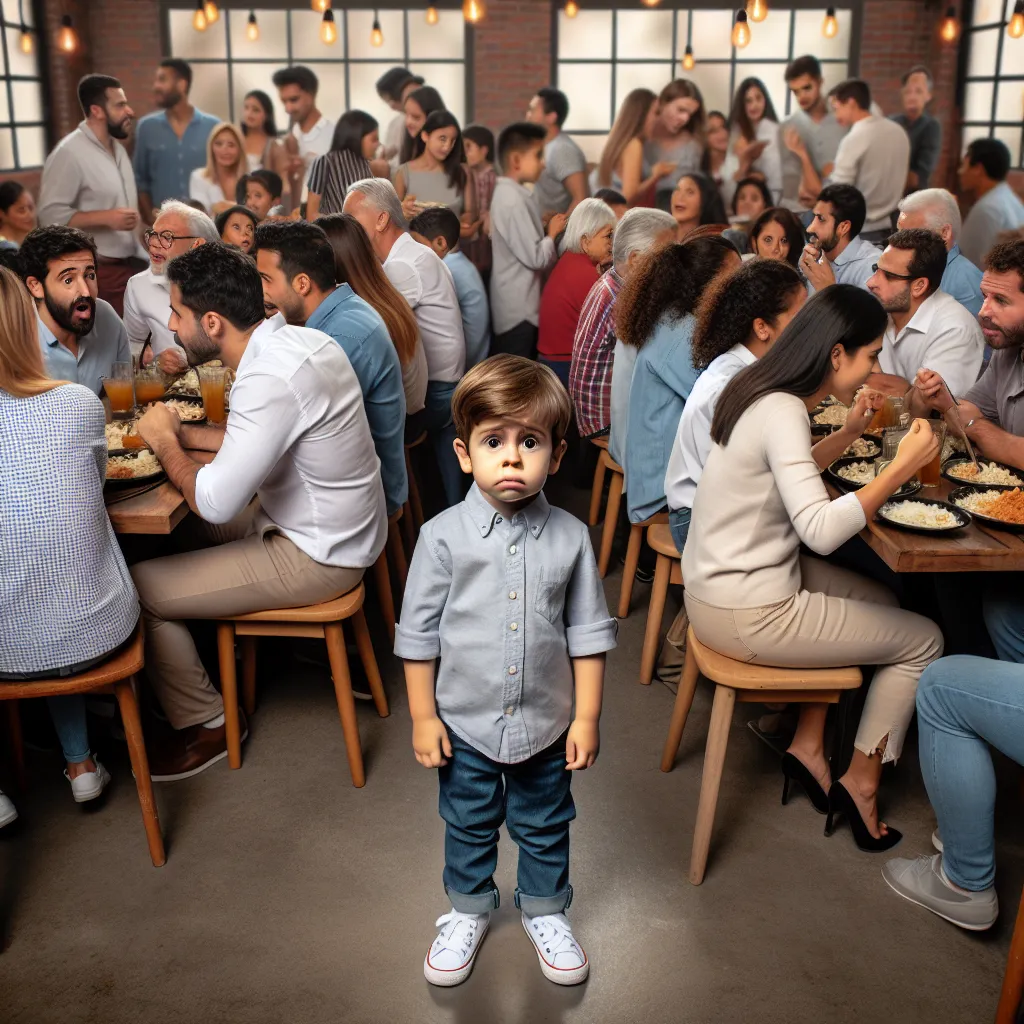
609 49
226 64
993 83
23 129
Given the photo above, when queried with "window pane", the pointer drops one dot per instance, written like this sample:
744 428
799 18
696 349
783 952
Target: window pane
712 34
972 132
588 87
982 58
11 15
273 40
246 77
587 36
188 43
1011 135
5 110
832 74
306 42
808 38
450 81
774 81
28 101
713 82
640 76
362 86
978 101
12 44
1013 56
331 94
768 38
31 146
6 150
591 146
210 89
360 26
644 35
988 11
445 39
1009 101
19 63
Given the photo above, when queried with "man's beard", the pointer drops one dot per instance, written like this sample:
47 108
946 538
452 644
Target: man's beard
62 315
292 310
1012 337
119 129
201 349
169 99
824 244
899 303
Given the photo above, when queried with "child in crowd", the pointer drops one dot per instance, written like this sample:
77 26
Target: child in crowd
261 192
615 199
478 143
237 226
505 590
439 228
521 250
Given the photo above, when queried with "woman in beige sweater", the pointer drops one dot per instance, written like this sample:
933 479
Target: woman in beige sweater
753 596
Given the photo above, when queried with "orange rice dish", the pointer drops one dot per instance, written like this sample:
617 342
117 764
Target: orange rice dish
1005 505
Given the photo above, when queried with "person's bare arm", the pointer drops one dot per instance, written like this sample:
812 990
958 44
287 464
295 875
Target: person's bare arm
312 207
159 427
917 448
204 438
583 740
576 186
121 219
430 740
993 441
863 410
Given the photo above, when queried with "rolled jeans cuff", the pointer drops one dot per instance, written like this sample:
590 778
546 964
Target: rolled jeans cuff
478 903
539 906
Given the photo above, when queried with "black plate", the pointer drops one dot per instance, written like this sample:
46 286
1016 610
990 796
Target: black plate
911 487
130 481
875 441
188 400
992 524
955 460
962 515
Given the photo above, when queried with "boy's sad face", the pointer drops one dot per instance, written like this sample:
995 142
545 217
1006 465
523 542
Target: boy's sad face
510 458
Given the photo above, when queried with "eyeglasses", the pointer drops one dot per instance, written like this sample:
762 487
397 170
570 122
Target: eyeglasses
167 238
890 276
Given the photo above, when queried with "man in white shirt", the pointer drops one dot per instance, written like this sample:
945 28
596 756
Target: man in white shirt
427 285
996 208
874 156
177 228
835 252
298 440
312 133
927 328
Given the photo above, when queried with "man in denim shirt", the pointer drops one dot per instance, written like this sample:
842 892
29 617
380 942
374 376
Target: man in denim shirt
505 590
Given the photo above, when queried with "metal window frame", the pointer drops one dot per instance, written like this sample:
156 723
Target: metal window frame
7 81
336 56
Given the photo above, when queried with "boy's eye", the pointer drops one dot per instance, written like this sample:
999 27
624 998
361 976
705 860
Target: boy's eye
493 442
530 443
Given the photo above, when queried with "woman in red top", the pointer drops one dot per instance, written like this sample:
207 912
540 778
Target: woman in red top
586 249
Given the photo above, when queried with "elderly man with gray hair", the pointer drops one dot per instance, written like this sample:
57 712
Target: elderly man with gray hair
590 376
426 284
935 209
147 296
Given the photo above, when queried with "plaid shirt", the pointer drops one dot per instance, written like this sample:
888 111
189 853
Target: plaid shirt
590 377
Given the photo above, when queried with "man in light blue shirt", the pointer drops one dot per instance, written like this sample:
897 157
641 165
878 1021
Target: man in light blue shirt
935 209
80 335
170 143
835 253
996 208
296 265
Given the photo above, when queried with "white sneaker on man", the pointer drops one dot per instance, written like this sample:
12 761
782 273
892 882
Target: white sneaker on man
8 812
88 785
561 957
451 956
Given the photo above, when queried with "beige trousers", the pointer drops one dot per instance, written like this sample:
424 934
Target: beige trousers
839 618
242 566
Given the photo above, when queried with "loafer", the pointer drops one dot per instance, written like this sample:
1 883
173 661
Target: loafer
182 753
920 881
88 785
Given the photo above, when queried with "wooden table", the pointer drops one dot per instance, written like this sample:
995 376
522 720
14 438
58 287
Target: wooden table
154 512
975 549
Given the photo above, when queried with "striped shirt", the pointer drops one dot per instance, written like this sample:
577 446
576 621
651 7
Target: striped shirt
593 350
331 174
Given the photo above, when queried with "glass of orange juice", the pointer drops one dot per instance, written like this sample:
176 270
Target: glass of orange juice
118 387
212 381
929 473
149 385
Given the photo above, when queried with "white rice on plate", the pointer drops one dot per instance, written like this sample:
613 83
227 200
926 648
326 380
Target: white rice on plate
127 467
832 415
186 410
863 448
917 513
988 473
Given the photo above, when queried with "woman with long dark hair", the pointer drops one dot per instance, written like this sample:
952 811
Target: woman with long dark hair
677 135
754 127
350 159
696 203
418 106
263 148
622 163
437 173
777 235
753 596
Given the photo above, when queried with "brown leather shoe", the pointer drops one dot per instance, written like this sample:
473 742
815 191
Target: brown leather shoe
182 753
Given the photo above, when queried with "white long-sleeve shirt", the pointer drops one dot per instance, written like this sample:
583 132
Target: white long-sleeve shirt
147 310
759 497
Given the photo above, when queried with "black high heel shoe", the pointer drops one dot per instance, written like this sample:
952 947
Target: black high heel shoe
840 802
793 769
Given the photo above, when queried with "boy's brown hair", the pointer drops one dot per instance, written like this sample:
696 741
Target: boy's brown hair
506 385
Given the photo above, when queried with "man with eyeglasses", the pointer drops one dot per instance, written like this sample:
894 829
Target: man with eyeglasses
147 297
928 329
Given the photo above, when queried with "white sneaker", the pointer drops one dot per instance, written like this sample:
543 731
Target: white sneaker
8 812
937 840
89 785
450 958
561 957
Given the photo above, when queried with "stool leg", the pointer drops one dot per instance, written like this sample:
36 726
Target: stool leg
680 710
366 656
125 693
408 528
636 538
655 612
611 517
229 691
414 494
346 702
397 554
596 491
714 760
16 745
384 595
248 673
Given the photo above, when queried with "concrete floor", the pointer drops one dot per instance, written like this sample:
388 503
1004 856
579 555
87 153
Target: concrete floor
289 896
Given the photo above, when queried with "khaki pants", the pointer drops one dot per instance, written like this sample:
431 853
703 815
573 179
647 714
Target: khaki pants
839 618
242 566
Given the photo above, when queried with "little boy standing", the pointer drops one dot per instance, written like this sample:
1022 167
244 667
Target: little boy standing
521 251
505 589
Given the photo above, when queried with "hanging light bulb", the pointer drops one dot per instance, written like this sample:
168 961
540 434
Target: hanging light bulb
950 28
199 21
741 30
432 15
252 30
651 3
67 37
571 8
320 5
211 11
473 11
25 41
830 26
688 60
376 35
757 10
1015 29
328 30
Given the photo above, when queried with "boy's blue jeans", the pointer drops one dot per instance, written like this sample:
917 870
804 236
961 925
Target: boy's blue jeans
533 799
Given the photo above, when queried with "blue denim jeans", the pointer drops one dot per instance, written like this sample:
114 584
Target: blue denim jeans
533 799
68 715
1003 609
963 705
679 524
437 422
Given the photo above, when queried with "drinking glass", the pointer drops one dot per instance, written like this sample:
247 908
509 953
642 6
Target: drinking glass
929 473
118 387
212 381
149 385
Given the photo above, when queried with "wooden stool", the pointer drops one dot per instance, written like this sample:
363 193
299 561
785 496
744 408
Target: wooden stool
315 620
115 675
597 490
666 570
413 506
737 681
636 539
611 512
392 557
1013 979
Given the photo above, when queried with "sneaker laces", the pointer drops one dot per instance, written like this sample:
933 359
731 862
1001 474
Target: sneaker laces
555 933
458 931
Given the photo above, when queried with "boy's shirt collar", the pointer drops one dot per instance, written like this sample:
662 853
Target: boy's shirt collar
484 514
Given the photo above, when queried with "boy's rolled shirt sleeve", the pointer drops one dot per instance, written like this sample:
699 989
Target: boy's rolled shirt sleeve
417 634
589 629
